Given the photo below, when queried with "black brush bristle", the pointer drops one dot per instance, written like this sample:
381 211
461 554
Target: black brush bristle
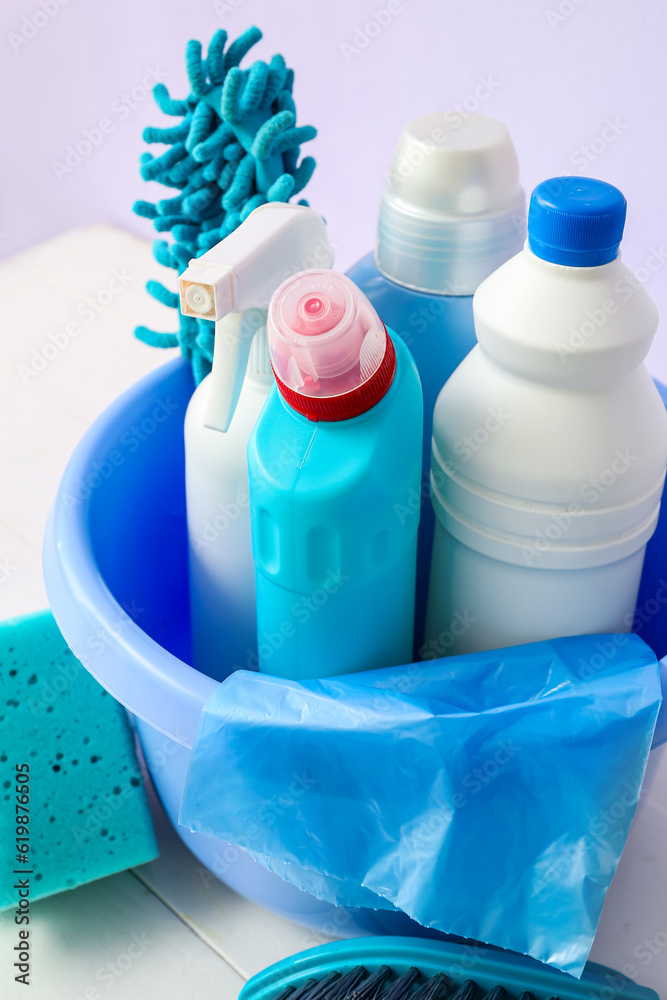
466 992
435 989
320 987
346 984
313 988
288 992
300 991
400 988
357 984
371 988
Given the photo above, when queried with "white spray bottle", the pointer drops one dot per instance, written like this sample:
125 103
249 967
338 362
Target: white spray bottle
232 284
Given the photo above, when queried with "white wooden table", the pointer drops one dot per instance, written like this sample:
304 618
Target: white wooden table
166 930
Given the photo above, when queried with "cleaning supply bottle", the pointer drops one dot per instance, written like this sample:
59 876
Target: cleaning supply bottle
549 440
232 284
336 450
452 211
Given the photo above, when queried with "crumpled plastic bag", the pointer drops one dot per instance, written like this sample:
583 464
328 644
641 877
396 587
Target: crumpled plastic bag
487 795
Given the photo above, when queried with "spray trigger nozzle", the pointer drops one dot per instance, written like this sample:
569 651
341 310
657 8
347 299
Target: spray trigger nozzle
232 284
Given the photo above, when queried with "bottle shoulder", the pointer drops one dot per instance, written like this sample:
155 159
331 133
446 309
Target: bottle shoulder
292 451
378 288
564 325
523 438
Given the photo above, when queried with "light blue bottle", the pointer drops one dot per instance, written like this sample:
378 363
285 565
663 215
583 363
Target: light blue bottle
452 211
335 453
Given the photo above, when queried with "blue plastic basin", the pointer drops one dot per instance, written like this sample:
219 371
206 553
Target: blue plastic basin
115 565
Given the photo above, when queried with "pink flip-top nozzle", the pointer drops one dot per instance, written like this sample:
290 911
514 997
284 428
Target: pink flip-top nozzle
328 346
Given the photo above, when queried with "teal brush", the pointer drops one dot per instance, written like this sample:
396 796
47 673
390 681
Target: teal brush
236 146
386 968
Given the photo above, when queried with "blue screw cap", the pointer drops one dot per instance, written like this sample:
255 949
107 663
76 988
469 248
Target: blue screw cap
577 221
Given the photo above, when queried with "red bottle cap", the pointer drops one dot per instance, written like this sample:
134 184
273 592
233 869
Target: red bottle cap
331 354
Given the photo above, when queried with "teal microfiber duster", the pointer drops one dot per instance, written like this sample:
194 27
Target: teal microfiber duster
73 807
237 147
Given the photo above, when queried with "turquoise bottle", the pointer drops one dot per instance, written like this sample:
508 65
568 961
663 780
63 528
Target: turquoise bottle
452 211
334 456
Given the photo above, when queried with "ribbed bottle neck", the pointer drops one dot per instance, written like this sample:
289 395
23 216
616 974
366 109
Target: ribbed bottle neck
259 360
441 253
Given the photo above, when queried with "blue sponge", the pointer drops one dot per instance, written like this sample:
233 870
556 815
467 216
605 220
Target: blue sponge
72 800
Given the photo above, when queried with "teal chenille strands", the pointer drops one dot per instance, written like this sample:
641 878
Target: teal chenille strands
236 146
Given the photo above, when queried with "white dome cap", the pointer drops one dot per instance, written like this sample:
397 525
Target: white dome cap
452 209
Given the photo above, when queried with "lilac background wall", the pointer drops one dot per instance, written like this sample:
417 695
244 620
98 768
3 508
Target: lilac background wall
580 83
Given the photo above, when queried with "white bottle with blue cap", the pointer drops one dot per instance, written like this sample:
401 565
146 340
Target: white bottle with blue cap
549 440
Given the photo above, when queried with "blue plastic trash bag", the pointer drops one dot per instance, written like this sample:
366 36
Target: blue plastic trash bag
488 795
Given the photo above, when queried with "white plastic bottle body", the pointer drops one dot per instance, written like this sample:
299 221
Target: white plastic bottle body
549 453
230 285
481 611
222 572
